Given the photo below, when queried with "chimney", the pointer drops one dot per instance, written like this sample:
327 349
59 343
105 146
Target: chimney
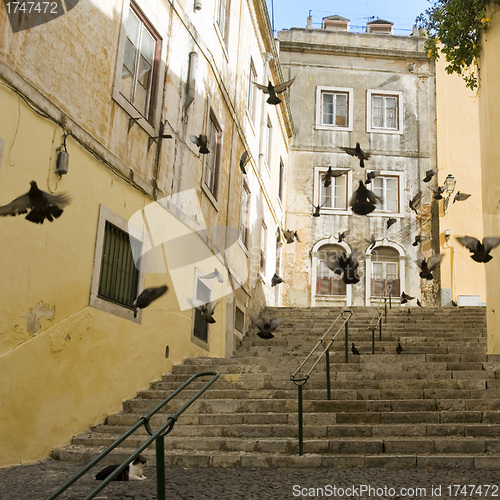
335 23
379 26
309 23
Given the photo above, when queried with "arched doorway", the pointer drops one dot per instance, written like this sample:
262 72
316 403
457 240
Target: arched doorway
327 288
384 270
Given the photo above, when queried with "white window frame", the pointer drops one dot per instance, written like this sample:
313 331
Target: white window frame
400 213
268 151
252 94
152 124
244 233
320 90
369 121
318 174
213 117
221 21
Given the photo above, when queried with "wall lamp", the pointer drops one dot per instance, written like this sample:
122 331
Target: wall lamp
449 184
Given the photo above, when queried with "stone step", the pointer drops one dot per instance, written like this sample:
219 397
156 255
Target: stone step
435 405
119 424
289 446
176 458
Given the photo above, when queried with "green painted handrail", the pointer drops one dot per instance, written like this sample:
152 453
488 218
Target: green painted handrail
300 381
157 436
376 322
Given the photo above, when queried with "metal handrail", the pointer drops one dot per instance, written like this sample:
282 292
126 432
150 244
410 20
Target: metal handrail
377 318
157 436
388 297
299 382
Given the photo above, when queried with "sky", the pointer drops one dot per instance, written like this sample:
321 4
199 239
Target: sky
293 13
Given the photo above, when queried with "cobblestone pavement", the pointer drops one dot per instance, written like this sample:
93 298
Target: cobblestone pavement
37 481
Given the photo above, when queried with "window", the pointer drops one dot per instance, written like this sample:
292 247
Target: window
213 158
244 214
118 279
239 320
252 77
115 280
327 282
388 188
385 266
334 108
139 73
200 329
269 139
222 18
335 197
384 111
263 247
281 180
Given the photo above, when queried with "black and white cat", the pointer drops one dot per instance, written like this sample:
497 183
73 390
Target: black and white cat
133 472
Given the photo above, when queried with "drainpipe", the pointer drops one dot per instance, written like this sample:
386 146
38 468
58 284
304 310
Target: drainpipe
447 235
263 116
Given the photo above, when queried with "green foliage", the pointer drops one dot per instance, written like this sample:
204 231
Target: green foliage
454 28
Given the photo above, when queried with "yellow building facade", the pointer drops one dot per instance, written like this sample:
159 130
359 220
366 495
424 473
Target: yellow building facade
489 120
70 352
459 155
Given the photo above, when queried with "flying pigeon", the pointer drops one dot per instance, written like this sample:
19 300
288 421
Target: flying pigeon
206 309
390 222
147 296
415 201
317 208
438 191
358 152
327 178
460 196
273 90
363 200
344 265
371 175
342 236
399 349
405 298
429 174
276 280
372 241
354 350
266 327
418 239
201 142
480 251
39 204
243 161
215 274
290 235
429 265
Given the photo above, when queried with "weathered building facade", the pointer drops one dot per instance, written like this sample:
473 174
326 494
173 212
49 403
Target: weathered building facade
378 90
118 89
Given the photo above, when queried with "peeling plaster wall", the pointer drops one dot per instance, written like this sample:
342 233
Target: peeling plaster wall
56 351
360 62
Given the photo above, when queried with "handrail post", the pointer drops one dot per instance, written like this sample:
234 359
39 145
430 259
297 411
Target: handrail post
301 434
346 342
160 467
385 309
328 390
372 328
380 327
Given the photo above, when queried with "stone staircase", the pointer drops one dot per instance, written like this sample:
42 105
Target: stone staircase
435 405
